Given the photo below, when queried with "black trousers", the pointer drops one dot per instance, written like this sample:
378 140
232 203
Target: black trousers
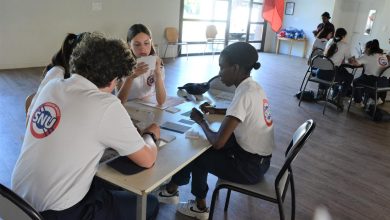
343 77
369 80
104 201
231 163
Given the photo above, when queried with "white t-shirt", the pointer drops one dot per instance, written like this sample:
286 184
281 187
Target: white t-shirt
320 43
255 133
373 64
144 85
72 122
343 52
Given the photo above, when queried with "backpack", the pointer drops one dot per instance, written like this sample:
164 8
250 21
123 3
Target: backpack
380 114
306 96
197 88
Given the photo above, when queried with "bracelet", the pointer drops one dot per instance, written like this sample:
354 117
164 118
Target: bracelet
152 135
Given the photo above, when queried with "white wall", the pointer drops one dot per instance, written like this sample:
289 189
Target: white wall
350 14
32 31
307 15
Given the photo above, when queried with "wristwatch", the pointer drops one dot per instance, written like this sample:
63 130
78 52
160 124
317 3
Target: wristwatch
151 135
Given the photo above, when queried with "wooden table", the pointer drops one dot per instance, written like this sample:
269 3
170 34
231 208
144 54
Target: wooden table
291 42
171 157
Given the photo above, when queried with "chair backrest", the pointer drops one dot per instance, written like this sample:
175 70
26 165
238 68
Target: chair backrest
385 72
211 31
13 206
322 62
298 140
315 52
171 35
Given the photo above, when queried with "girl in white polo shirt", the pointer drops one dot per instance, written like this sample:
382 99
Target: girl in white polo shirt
374 62
143 81
242 147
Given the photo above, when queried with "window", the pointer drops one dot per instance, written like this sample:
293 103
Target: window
235 20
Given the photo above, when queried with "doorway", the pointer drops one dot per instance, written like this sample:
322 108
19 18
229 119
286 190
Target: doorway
234 20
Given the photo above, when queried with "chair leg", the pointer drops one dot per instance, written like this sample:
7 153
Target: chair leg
227 200
281 212
300 88
376 98
350 99
300 98
292 198
326 99
166 50
213 200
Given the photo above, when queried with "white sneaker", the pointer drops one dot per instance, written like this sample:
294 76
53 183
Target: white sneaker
190 209
359 105
164 196
379 101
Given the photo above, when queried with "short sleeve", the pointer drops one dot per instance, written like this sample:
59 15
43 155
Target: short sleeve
56 72
117 131
237 107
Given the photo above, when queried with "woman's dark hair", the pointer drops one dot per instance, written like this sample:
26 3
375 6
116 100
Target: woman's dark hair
243 54
62 57
373 47
101 59
339 35
140 28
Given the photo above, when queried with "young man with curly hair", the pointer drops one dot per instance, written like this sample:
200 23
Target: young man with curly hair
72 122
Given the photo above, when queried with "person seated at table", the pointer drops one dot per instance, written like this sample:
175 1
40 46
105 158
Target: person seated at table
322 38
143 81
374 62
242 147
338 50
72 122
59 62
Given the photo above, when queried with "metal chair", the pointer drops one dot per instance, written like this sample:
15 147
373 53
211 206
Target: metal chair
324 64
315 52
172 37
274 185
382 84
211 34
13 206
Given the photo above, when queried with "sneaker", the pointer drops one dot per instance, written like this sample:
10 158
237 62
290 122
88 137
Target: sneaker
359 105
164 196
190 209
379 101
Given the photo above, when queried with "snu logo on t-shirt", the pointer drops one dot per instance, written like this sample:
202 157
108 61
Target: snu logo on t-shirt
267 113
383 61
45 120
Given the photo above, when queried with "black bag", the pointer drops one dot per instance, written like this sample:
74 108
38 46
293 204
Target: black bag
306 96
380 114
197 88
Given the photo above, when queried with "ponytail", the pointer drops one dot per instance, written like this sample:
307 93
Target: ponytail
339 35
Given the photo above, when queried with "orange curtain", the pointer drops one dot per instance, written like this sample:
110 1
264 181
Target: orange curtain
273 13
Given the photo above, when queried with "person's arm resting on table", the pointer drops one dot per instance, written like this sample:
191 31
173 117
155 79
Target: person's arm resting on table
146 156
217 139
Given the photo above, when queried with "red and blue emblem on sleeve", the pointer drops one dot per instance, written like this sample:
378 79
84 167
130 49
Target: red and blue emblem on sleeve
267 113
45 120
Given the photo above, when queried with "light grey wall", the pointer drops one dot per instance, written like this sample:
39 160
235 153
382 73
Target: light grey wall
32 31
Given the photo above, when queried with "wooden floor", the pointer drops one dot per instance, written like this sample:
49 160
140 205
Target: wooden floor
344 166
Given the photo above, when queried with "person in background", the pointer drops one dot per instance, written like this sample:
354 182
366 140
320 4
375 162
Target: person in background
338 50
374 62
73 121
322 38
59 62
242 147
325 24
144 81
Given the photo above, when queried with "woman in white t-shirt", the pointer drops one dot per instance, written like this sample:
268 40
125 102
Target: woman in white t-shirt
338 50
143 81
374 62
322 38
242 147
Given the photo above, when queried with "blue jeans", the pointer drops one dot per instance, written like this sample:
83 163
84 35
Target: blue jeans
230 163
105 201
